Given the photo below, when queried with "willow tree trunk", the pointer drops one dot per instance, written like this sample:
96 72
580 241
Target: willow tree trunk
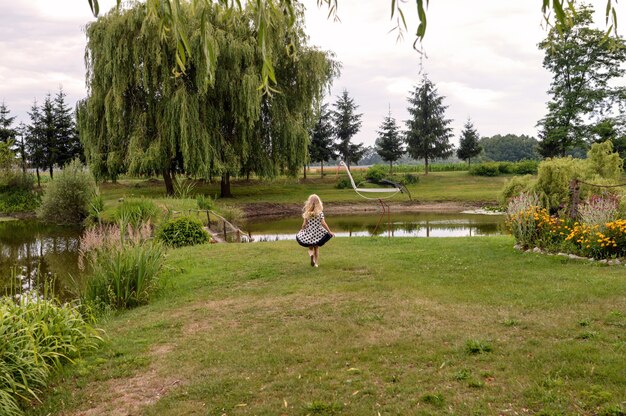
304 170
225 186
426 166
51 169
38 177
322 168
169 184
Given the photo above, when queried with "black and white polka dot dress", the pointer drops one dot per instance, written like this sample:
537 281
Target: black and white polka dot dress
313 233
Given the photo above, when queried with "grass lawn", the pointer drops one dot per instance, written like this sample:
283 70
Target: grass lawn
463 326
435 187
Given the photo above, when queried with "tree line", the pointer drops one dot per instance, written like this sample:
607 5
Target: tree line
50 139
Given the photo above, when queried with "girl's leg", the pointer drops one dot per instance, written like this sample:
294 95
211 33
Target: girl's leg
316 249
312 255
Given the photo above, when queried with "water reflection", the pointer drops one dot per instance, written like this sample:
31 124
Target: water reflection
39 256
403 225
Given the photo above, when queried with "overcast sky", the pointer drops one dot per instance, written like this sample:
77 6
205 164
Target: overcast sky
482 56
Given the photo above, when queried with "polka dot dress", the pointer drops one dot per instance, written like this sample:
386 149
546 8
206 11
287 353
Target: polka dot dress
313 233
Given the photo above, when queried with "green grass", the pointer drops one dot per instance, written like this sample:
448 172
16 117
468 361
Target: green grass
434 187
397 327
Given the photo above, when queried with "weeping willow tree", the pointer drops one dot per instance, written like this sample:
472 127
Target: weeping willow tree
144 118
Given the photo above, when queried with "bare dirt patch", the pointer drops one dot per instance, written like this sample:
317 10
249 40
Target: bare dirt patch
127 396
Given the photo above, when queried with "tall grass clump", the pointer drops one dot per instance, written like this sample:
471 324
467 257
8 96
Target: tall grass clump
37 336
123 265
67 198
136 211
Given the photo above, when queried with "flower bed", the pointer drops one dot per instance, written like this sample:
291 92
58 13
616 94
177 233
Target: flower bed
532 226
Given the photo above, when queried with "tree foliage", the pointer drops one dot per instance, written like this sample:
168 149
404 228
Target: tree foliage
469 145
583 62
7 132
141 118
347 122
321 148
172 22
427 131
510 147
389 144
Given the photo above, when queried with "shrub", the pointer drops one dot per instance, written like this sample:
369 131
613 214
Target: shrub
553 181
123 266
182 231
19 201
526 167
36 337
376 173
66 199
506 167
136 211
603 162
515 187
485 169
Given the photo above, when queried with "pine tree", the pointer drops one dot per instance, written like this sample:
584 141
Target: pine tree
468 143
356 153
428 133
67 146
48 140
347 123
7 132
321 146
389 144
35 140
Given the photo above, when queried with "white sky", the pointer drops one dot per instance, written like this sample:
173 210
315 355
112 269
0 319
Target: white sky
482 56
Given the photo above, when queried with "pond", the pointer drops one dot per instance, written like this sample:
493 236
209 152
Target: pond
34 255
420 224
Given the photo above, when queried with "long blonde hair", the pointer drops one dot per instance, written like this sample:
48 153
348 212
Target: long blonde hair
313 207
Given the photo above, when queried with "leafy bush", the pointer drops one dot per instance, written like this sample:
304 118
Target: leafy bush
182 231
533 226
515 187
136 211
344 181
19 201
36 337
603 162
485 169
506 168
66 199
376 173
123 266
599 242
553 180
526 167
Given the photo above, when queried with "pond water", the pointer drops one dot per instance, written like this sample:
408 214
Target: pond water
402 225
34 255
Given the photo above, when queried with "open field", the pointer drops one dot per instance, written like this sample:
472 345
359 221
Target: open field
463 326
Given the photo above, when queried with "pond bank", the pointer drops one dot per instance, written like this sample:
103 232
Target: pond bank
269 210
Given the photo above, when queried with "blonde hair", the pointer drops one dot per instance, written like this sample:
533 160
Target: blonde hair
313 207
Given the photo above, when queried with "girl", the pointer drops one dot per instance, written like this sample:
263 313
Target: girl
314 232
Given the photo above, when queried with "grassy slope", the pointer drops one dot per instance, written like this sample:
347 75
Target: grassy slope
438 186
380 328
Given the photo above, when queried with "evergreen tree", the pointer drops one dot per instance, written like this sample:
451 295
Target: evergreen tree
21 145
321 146
141 119
583 62
35 140
389 144
347 123
7 132
48 139
469 146
67 146
356 153
428 133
